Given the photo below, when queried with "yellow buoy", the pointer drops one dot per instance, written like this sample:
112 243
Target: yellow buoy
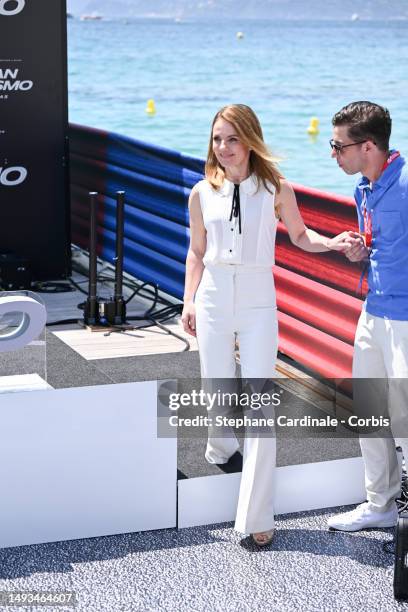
313 128
240 35
150 107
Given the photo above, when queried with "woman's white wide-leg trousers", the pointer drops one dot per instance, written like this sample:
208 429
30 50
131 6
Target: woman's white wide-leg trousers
239 302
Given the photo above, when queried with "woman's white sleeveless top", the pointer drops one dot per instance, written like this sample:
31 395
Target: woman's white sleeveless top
255 246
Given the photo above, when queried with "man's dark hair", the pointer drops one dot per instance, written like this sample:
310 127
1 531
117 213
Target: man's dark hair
366 121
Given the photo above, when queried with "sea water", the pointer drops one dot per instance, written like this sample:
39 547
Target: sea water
287 71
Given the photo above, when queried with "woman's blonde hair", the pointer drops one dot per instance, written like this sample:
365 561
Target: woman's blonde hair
261 161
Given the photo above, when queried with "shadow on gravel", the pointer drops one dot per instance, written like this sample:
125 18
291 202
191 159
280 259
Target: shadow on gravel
356 547
60 557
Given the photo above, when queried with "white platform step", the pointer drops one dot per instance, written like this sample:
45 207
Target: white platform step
84 462
23 382
299 488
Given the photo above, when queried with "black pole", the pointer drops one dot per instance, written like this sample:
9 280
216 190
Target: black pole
90 317
120 202
120 307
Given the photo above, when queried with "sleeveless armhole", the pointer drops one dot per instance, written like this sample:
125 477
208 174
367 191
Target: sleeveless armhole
276 206
199 187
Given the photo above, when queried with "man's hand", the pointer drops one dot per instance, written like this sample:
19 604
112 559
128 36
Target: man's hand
357 250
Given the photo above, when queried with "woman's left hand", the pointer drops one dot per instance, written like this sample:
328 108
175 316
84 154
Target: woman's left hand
188 318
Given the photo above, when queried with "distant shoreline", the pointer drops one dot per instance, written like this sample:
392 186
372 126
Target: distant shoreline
209 18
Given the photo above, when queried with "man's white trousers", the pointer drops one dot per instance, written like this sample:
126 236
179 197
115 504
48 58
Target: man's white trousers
381 354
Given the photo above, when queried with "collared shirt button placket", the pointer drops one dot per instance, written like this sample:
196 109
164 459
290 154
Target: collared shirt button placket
233 252
230 246
233 238
231 241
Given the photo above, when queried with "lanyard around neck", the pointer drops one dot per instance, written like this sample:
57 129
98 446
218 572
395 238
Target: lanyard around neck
389 160
368 215
368 218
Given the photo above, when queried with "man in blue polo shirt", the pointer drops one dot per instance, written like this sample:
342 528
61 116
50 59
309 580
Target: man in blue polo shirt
360 143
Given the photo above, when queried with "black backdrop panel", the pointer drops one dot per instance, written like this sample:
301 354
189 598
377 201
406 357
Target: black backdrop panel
34 184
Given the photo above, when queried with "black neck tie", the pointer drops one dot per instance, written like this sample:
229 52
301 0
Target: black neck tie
236 207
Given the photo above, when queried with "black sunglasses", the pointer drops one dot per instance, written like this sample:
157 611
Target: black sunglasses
339 147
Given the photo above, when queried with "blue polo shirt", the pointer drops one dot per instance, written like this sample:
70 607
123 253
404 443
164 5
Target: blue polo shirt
388 264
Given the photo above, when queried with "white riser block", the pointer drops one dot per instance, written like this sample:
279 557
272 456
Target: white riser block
84 462
309 486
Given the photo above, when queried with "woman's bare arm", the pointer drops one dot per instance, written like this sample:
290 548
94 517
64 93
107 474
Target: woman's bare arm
303 237
194 261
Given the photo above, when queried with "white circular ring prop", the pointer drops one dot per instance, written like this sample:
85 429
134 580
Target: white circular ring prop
5 11
32 324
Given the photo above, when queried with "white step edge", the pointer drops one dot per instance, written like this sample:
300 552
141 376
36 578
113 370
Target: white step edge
299 488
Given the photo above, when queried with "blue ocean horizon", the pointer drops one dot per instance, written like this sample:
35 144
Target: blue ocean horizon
287 71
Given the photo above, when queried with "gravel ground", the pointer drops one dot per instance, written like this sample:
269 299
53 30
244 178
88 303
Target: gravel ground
211 568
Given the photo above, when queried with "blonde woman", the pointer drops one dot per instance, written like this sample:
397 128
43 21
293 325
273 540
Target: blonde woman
229 286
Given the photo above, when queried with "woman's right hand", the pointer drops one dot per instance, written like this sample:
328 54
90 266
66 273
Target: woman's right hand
188 318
